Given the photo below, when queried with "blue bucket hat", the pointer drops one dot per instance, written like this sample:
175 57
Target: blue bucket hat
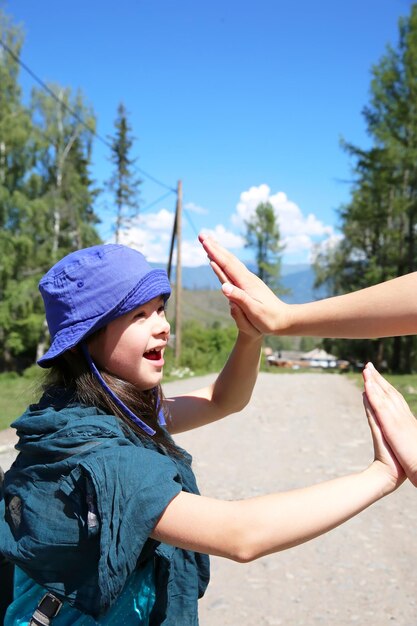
89 288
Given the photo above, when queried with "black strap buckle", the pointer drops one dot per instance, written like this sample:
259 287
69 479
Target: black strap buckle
47 609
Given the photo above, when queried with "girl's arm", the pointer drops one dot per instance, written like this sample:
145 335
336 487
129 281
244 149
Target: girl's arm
232 389
247 529
383 310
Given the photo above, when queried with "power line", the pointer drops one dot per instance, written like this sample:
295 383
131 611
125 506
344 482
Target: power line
74 113
148 206
155 180
187 215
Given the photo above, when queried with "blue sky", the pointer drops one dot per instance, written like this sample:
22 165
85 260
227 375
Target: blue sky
242 101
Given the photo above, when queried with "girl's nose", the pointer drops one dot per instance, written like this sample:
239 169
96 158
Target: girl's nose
162 326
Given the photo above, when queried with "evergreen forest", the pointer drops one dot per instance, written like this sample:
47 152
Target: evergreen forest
48 198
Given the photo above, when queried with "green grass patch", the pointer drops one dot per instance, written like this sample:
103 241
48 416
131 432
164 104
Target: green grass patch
16 392
405 383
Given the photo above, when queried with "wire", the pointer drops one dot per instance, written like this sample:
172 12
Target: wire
190 222
74 113
83 198
155 180
148 206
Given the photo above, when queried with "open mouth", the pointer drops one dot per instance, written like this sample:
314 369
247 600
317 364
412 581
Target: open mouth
153 355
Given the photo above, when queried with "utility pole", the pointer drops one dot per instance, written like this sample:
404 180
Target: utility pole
171 248
178 280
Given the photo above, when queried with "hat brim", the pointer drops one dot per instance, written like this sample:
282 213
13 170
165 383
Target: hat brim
155 283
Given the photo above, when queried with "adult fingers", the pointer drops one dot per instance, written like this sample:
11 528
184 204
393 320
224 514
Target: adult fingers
223 278
225 260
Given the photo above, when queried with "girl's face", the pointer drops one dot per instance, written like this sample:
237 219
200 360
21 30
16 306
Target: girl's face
132 346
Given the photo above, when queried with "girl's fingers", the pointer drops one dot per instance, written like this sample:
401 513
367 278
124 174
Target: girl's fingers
370 414
242 321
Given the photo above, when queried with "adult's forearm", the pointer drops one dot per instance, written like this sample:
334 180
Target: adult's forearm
383 310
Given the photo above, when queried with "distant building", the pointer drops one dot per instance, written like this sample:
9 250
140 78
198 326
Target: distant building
319 358
294 359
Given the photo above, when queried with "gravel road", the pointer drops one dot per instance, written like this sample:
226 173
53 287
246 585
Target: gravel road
298 430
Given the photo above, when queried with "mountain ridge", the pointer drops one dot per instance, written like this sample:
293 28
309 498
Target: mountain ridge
297 278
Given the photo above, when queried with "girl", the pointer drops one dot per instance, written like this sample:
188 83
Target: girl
102 513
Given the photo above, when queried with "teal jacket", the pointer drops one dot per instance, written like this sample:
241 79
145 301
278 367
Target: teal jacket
80 502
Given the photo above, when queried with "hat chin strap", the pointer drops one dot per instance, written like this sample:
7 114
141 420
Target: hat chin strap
147 429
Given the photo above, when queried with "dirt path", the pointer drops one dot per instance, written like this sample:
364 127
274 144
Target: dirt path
301 429
298 430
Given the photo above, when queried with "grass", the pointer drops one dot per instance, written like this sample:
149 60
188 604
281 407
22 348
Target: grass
16 392
205 306
405 383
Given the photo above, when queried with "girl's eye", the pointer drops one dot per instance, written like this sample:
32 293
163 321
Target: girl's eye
162 308
140 315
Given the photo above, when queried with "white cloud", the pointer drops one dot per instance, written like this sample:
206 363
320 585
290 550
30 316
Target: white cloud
226 238
299 233
195 208
193 254
296 243
151 234
325 246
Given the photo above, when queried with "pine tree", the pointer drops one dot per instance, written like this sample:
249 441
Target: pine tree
19 317
262 234
123 184
379 224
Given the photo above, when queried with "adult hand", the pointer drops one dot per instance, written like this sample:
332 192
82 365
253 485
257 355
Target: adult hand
397 422
267 313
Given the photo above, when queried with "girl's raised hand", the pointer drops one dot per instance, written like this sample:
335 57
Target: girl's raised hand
243 324
398 424
383 455
258 303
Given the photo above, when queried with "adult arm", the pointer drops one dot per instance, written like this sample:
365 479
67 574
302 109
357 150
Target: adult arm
383 310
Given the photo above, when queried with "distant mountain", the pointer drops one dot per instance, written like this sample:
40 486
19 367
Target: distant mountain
299 278
301 285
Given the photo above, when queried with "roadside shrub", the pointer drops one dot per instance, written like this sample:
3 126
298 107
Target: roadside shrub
204 350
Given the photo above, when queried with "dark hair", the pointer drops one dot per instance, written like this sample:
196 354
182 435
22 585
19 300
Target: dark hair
71 372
